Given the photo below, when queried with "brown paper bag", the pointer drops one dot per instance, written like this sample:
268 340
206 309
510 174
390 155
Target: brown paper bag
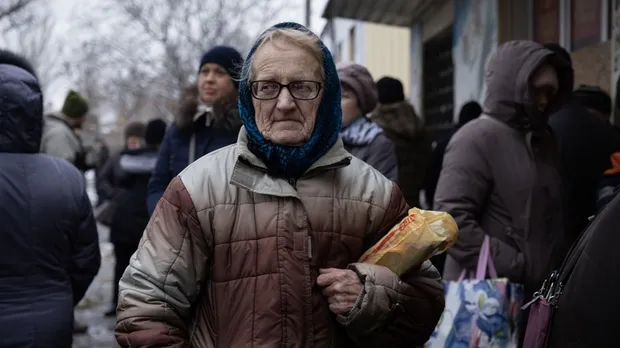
419 236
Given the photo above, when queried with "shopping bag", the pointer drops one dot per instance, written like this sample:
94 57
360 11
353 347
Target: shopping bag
479 312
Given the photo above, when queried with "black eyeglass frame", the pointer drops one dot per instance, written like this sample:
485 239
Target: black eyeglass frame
318 91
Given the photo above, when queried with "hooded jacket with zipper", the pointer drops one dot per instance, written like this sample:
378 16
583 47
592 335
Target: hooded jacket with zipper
210 129
49 247
501 176
412 146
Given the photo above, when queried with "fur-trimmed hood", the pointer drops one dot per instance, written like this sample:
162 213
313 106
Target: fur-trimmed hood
225 114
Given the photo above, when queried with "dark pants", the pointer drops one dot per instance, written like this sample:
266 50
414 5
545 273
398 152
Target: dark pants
123 253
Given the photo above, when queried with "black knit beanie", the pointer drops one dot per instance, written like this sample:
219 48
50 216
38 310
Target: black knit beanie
390 91
155 131
226 57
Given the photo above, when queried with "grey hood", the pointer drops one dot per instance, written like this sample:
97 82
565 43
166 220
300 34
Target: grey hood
508 95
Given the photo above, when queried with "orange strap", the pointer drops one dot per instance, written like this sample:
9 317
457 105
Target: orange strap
615 164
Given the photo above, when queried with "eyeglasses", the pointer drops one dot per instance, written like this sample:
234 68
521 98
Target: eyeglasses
302 90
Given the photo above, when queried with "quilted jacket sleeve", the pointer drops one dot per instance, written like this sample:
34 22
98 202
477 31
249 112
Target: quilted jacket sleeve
164 275
394 311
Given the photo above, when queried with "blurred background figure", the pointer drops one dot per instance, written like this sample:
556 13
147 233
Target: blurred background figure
406 130
586 141
125 178
49 249
362 137
208 118
61 134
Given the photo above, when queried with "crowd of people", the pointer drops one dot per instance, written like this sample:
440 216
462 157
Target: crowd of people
241 223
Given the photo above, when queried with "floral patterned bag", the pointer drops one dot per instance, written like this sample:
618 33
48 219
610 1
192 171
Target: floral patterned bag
480 312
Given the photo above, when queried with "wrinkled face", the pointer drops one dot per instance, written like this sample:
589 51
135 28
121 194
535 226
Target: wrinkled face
286 120
545 86
350 106
214 83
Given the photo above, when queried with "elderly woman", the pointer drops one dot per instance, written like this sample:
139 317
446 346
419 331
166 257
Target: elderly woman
362 137
256 244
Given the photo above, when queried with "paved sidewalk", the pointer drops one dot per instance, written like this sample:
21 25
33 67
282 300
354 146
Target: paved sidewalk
96 302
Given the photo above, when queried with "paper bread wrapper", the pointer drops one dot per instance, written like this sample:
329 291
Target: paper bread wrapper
419 236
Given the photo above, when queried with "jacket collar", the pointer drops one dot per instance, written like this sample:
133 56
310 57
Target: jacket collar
251 173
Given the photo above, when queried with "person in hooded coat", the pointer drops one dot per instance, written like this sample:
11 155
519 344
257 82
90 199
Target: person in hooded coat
207 120
469 112
49 247
258 244
500 175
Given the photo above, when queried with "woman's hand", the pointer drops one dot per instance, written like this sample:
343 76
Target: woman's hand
341 287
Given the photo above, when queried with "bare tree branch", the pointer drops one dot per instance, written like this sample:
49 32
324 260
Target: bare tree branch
13 13
148 50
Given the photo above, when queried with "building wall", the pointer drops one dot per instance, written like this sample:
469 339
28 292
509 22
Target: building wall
383 49
592 65
514 20
386 52
439 21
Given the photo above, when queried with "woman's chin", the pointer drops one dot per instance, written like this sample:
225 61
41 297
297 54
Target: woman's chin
289 138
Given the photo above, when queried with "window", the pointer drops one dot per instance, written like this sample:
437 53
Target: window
585 22
352 44
547 21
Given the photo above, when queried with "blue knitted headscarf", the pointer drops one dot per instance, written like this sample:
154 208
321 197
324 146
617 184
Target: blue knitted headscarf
291 162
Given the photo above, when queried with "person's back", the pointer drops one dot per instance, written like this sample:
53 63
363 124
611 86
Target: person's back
49 252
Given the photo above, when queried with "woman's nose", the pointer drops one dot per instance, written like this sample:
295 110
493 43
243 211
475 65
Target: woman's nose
286 102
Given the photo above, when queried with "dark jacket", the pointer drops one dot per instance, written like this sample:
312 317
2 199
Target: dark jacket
365 140
586 144
587 310
412 146
501 180
125 178
49 249
174 153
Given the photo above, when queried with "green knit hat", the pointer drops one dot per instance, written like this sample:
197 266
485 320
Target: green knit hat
75 105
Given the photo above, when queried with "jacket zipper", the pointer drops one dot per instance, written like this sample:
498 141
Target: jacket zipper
310 247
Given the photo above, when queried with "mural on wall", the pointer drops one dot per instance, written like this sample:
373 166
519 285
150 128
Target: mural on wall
474 39
415 90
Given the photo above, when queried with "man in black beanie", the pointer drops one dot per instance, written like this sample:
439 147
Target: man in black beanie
585 142
406 130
